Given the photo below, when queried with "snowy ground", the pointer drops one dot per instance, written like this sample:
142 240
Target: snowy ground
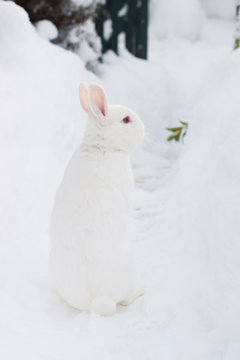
186 201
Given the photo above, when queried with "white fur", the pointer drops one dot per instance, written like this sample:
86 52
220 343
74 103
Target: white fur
91 254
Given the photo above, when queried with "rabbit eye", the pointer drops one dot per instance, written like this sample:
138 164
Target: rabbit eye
126 120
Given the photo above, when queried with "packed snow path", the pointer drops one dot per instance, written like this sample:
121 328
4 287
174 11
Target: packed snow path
180 317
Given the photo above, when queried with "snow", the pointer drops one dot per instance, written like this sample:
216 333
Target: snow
185 217
85 42
83 3
223 9
46 29
86 3
107 29
182 18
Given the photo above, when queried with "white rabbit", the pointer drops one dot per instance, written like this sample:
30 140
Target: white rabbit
91 254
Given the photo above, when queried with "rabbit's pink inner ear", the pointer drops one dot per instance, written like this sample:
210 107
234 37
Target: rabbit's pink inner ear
83 96
98 99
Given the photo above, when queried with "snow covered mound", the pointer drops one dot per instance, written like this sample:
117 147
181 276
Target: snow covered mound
34 84
182 18
205 209
40 122
46 29
14 23
40 118
223 9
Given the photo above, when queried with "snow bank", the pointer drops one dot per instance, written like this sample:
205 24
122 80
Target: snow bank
41 121
42 92
204 213
223 9
182 18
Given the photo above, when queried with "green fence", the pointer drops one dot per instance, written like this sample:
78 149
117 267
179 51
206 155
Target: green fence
128 16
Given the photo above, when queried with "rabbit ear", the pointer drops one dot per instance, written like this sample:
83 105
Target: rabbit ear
83 96
98 103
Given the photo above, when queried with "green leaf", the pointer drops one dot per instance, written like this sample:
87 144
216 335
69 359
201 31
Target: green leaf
172 137
174 129
184 123
236 44
178 131
175 135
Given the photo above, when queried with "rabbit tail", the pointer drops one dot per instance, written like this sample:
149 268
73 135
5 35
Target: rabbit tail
103 305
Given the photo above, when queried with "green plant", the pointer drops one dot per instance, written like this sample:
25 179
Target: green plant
237 32
236 44
179 132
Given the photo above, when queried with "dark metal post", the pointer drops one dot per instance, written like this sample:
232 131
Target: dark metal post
141 29
130 27
134 24
112 6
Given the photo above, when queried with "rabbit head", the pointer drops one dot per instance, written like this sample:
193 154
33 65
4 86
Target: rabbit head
113 127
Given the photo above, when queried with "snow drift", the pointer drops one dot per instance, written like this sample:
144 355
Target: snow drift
40 99
223 9
205 206
181 18
40 118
